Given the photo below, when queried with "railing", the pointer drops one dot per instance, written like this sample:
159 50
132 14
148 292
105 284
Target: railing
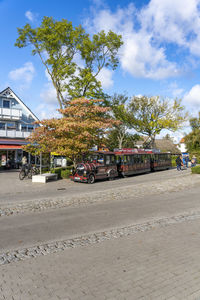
10 113
14 134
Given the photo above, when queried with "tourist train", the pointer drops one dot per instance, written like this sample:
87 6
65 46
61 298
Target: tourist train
120 163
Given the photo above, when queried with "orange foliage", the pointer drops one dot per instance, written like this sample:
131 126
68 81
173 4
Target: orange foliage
82 126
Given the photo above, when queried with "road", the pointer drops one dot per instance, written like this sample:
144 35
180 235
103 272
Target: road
136 238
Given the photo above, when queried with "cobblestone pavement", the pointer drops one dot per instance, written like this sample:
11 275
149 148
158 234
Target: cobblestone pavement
15 191
161 263
156 258
114 194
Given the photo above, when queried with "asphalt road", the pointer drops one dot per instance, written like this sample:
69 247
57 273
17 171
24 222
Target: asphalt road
31 229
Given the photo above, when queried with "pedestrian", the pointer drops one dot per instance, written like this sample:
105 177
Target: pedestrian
186 160
193 161
24 160
179 162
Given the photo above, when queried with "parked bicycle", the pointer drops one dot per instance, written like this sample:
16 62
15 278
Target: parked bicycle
28 171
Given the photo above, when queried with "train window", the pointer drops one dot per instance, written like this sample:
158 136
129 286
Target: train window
101 159
112 159
107 159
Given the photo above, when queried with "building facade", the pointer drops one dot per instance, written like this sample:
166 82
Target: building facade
16 124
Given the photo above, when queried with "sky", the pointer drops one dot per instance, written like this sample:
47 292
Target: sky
160 53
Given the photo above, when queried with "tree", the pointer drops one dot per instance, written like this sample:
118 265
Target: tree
192 140
82 126
119 136
129 140
150 115
58 44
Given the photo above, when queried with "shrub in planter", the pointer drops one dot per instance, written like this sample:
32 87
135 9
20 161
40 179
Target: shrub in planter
57 171
195 170
62 172
65 173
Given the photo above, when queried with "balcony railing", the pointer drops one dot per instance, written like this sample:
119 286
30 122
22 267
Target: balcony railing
10 113
14 134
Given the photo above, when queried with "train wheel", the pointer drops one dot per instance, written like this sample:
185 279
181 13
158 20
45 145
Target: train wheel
123 175
91 179
111 176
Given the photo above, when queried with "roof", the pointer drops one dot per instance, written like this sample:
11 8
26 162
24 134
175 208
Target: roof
9 92
165 145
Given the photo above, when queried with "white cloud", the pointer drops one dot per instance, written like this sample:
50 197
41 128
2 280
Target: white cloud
48 94
193 96
105 76
139 56
175 90
172 21
30 16
44 111
24 74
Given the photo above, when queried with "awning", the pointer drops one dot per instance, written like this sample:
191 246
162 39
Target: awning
10 147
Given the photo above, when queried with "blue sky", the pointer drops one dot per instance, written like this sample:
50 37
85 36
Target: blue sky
160 55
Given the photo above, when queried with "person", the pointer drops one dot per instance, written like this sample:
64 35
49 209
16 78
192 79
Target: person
179 162
193 161
186 160
24 160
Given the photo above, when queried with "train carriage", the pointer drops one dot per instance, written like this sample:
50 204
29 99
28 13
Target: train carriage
160 161
98 165
132 163
122 163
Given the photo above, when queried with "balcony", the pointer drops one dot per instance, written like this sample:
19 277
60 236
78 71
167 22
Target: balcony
10 113
14 134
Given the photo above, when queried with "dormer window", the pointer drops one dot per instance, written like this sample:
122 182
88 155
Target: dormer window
6 104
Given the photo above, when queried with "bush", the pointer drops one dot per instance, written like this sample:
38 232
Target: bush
62 172
174 160
195 170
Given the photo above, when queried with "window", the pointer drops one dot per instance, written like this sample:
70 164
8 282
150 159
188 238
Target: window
30 128
107 159
11 126
24 128
6 104
2 126
101 159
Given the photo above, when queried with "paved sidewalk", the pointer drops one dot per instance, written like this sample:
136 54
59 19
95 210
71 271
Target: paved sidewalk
163 263
13 190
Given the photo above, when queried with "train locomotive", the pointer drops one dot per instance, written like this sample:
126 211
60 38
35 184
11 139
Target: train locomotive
120 163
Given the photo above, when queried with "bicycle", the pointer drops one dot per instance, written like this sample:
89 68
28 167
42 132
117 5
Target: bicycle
28 171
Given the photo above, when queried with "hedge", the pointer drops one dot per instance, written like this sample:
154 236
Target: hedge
62 172
195 170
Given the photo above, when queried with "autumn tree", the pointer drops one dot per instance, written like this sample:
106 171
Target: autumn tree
58 44
83 125
150 115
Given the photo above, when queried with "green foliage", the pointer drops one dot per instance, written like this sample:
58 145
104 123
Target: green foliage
192 140
150 115
119 137
174 160
129 140
63 173
195 170
58 44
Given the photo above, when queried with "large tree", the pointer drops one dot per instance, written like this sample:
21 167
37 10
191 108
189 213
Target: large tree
83 125
192 139
150 115
119 136
58 44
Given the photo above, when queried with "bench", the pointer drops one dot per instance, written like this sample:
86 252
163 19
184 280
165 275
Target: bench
43 178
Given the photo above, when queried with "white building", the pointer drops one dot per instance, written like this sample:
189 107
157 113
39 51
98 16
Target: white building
16 124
